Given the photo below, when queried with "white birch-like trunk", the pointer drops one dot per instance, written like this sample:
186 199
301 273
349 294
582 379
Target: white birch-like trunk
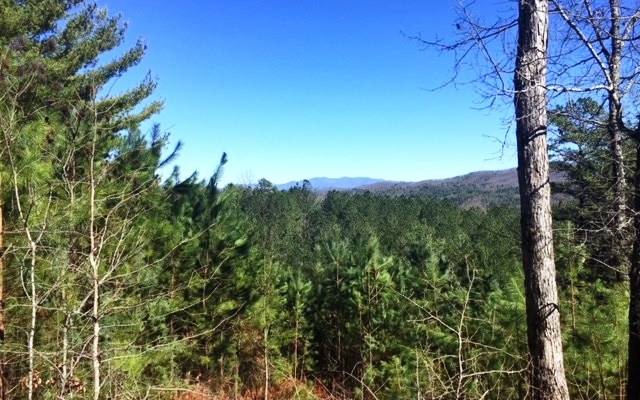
65 346
613 123
94 264
95 347
31 290
34 308
266 363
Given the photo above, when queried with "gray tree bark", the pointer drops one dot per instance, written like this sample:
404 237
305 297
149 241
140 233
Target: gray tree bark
614 130
543 317
633 368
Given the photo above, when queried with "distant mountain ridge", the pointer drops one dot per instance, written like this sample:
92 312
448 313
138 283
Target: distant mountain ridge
324 184
500 178
481 189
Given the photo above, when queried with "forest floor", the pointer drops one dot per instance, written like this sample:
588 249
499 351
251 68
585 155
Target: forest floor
287 389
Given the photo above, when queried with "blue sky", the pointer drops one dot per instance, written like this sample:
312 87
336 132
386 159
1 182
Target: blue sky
302 89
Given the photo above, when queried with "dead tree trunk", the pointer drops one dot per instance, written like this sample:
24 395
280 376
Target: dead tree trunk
633 368
543 317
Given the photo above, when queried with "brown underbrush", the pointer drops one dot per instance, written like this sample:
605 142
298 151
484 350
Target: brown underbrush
286 389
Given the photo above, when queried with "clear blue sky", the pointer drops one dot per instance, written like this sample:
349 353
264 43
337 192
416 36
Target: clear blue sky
295 89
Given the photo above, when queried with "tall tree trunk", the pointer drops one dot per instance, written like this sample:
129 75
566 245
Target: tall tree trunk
64 380
34 312
94 262
2 311
543 317
615 135
633 372
95 315
31 291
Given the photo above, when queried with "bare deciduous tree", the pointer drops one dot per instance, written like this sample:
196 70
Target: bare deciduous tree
595 56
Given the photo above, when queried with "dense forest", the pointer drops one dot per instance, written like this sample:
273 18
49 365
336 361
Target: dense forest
118 283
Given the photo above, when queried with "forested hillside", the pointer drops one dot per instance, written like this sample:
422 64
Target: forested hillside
482 189
119 284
